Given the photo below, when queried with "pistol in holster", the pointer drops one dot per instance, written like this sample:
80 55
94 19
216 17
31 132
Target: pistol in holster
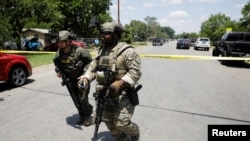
133 94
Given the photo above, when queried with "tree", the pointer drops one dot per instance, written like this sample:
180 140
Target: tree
168 30
78 15
245 20
216 26
20 12
153 26
127 35
149 29
138 29
55 14
193 35
4 30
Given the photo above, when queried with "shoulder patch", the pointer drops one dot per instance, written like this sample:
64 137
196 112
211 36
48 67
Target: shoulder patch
138 59
132 56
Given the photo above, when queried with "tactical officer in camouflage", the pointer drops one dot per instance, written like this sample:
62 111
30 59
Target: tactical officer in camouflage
71 62
122 59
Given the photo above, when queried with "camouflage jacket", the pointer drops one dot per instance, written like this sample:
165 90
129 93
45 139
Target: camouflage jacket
122 59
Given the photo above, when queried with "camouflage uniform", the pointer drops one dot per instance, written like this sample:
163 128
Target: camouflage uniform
127 65
72 65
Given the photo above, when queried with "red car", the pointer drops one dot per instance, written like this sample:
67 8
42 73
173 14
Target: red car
14 69
80 44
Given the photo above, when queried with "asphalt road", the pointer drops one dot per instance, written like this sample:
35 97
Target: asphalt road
178 101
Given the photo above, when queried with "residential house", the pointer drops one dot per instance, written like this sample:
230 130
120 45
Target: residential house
41 34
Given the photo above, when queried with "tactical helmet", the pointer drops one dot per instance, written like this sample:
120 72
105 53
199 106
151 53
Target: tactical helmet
112 27
64 35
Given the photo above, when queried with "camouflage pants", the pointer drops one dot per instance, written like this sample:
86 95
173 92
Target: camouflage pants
81 98
119 116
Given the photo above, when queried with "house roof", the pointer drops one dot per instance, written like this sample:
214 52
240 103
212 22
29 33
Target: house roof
45 31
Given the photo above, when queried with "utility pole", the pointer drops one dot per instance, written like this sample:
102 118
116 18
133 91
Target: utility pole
118 5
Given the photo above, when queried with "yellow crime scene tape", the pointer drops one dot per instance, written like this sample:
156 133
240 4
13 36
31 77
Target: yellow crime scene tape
192 57
26 52
159 56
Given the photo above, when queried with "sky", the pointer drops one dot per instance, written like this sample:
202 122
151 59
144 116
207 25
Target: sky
180 15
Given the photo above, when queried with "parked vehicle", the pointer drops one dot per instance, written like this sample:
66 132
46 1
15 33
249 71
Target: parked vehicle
182 44
12 45
14 69
236 44
157 42
32 44
53 46
50 47
80 44
87 41
192 41
202 43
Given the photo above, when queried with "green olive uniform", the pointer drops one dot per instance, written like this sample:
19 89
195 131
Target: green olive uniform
73 65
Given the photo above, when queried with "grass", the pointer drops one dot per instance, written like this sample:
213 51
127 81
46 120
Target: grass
138 44
37 60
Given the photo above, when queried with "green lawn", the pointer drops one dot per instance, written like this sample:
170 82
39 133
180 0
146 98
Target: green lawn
37 60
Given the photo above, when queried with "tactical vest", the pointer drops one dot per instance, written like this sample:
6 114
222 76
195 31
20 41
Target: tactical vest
71 63
113 61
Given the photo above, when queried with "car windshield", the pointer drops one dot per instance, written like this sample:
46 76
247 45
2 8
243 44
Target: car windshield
206 40
156 39
182 40
193 40
224 36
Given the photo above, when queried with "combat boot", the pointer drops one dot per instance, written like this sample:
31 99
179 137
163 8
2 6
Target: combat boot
135 137
121 137
80 121
87 121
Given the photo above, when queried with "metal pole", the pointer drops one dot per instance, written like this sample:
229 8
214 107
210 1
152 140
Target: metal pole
118 4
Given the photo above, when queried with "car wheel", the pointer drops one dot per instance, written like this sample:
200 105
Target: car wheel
17 76
215 52
225 54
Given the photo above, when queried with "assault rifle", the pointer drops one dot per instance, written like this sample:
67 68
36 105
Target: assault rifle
65 82
109 77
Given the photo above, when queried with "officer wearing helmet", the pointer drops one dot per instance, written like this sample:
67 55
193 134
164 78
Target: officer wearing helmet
71 62
125 62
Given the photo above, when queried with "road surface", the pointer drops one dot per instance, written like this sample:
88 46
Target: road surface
178 101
